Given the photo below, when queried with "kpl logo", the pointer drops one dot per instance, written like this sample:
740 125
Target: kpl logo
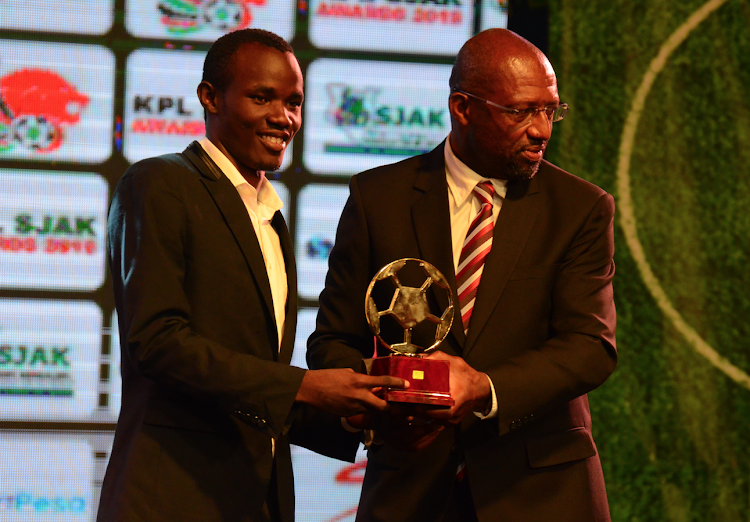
187 16
35 106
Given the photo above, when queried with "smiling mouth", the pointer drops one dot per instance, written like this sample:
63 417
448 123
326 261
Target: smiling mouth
274 144
273 139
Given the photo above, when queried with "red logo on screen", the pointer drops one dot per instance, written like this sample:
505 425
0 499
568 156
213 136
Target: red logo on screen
352 474
35 105
189 16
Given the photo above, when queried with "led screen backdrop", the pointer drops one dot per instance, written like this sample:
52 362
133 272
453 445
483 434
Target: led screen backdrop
659 117
89 87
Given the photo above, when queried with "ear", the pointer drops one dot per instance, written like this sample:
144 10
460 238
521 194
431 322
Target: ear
210 97
458 104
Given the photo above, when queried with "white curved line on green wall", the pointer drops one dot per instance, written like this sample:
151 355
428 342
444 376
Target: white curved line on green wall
625 202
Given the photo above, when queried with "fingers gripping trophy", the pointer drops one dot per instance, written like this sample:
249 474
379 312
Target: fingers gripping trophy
409 308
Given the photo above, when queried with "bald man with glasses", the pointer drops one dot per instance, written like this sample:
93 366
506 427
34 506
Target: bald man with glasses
527 249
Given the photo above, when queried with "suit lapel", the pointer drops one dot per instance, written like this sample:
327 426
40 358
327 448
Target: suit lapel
432 226
230 204
514 224
290 321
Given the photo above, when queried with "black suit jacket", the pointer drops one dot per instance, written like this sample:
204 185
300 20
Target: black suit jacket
205 387
542 328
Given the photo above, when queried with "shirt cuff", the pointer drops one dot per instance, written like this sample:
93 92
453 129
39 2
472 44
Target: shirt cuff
493 410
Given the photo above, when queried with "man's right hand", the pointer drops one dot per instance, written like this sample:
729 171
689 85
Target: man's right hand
345 392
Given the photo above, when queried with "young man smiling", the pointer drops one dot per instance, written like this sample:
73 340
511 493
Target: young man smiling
205 288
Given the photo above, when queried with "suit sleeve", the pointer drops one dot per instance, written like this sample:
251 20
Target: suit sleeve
148 244
323 433
580 353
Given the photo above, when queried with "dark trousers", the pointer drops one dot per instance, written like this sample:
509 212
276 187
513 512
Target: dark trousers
271 512
460 504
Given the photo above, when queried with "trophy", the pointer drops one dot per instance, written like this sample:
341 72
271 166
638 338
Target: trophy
429 379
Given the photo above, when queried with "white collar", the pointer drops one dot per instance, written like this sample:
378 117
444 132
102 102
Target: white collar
462 180
265 193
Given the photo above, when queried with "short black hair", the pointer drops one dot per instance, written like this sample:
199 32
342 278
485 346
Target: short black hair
217 69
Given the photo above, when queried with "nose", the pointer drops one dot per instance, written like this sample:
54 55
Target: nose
280 115
540 126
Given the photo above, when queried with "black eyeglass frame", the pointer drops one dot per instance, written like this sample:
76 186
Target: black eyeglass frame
553 114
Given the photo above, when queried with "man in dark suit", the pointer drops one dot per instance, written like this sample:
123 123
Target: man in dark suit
205 289
528 251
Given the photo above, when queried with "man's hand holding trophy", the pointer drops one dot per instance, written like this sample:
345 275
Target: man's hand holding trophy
394 309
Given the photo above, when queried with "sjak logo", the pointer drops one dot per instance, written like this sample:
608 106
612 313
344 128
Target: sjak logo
34 356
58 235
348 107
35 105
359 108
374 127
189 16
36 370
56 225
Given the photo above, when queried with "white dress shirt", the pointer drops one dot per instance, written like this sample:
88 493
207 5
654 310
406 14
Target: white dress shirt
261 204
464 207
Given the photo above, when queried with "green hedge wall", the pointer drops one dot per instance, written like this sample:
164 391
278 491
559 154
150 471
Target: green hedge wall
673 430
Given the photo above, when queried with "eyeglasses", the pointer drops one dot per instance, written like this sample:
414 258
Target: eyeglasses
525 116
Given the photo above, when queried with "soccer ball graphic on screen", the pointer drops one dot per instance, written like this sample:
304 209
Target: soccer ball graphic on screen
223 15
409 306
188 16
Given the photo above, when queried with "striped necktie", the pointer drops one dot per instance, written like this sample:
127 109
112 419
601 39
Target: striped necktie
476 246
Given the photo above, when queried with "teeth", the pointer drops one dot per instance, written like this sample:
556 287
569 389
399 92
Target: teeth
273 139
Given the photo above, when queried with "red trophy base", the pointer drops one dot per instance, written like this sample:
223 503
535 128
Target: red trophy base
429 379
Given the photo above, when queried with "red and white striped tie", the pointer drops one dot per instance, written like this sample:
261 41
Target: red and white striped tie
477 245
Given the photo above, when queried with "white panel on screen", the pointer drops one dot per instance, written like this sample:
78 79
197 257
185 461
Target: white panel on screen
494 14
305 326
52 230
207 20
46 477
318 211
114 400
56 101
326 490
162 112
58 16
402 26
49 359
362 114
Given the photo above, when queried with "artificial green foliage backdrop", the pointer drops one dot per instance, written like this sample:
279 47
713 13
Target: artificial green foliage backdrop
672 429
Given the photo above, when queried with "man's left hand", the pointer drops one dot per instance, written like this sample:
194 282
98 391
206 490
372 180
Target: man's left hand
469 388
